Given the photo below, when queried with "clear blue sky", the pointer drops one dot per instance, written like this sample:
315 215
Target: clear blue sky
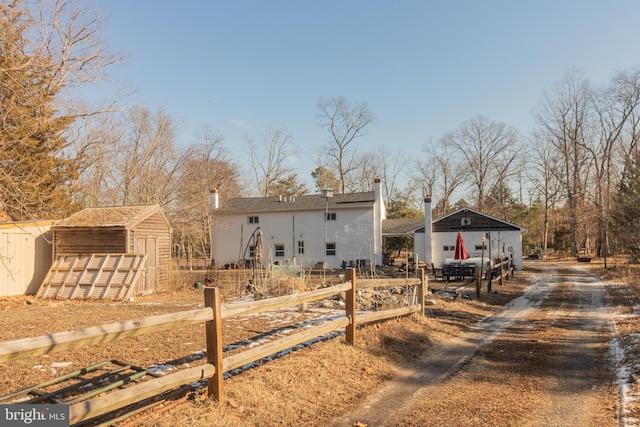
423 67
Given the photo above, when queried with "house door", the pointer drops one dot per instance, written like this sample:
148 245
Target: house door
148 281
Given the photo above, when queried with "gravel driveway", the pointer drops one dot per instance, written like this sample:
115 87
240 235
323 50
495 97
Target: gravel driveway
544 360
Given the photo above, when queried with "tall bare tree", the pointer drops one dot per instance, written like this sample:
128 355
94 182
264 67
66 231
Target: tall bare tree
488 149
146 165
613 108
440 171
208 168
345 124
271 161
563 122
102 137
542 167
364 174
393 166
150 161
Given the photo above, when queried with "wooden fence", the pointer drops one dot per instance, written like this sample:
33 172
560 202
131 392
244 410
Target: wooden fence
500 270
213 313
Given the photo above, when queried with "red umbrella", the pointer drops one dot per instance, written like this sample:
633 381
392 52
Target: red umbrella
461 251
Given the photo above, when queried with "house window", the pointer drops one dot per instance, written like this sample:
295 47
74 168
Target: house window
330 216
252 252
252 220
330 249
449 248
478 247
279 249
300 247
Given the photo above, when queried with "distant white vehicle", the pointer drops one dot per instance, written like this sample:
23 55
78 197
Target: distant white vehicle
471 261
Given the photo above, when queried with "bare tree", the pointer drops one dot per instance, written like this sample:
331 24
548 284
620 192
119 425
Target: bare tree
426 171
392 166
271 161
563 122
95 185
542 167
440 171
364 174
146 165
345 125
208 168
613 106
488 149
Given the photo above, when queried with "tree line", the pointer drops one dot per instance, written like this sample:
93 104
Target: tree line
573 181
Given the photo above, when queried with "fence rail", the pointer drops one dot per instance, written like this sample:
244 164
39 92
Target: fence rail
213 313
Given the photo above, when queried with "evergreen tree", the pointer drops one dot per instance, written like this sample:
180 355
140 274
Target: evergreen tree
289 186
34 171
626 211
324 179
400 207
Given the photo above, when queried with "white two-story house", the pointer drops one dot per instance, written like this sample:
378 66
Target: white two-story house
311 230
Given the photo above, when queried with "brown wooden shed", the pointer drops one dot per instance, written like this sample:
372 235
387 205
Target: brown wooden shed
109 252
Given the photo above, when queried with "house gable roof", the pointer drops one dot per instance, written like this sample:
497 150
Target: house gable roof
467 219
244 205
111 216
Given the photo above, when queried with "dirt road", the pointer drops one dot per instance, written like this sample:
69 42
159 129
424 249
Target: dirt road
544 360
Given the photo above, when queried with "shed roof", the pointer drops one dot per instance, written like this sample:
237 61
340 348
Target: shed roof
111 216
401 226
26 224
297 203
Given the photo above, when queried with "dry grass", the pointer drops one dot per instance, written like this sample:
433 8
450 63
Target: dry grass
307 387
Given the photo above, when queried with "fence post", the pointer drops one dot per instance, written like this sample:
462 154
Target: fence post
502 264
214 343
423 287
350 276
512 266
478 280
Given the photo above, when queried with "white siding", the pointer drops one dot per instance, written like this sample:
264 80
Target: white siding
353 233
419 248
511 241
25 257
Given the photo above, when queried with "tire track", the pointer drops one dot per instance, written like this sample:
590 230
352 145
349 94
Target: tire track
546 352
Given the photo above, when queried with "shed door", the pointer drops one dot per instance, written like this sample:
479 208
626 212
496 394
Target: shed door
149 274
16 263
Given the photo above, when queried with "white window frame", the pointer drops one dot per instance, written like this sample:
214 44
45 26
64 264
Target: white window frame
279 250
330 251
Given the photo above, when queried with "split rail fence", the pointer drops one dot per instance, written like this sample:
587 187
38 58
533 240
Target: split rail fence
213 313
500 270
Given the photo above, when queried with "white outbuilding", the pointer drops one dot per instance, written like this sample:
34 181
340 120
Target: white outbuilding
25 256
437 241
